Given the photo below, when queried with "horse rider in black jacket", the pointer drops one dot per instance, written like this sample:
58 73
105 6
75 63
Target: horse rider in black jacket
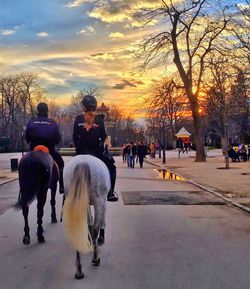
42 130
89 136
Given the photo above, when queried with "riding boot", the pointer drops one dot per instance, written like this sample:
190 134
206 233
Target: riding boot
112 196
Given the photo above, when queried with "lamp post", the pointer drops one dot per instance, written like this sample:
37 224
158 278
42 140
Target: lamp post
160 146
163 119
22 136
63 138
114 134
226 146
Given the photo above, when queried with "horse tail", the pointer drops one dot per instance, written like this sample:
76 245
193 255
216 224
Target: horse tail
75 210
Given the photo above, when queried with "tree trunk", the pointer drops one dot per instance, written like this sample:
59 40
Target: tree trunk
199 143
198 131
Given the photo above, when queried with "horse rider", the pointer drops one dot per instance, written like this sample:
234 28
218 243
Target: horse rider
89 136
42 130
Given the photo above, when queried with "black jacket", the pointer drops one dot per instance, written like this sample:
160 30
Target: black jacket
141 151
42 130
92 141
134 150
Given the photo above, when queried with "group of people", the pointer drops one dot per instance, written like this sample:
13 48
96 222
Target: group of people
133 153
183 146
239 153
89 136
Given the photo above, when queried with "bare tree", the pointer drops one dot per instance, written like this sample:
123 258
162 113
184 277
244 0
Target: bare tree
190 31
75 106
19 93
227 101
242 28
10 93
32 93
240 110
168 98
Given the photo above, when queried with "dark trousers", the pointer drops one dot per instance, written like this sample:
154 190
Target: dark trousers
131 161
112 170
141 159
60 162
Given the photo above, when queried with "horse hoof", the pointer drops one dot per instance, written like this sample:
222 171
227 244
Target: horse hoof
40 239
26 240
101 241
79 275
53 220
96 262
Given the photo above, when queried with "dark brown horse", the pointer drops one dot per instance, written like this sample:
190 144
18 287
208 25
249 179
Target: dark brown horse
37 173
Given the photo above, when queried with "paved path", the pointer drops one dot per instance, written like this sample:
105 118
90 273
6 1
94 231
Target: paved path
147 246
5 159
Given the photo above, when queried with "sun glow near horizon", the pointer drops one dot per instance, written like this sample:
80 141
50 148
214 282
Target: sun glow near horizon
71 49
72 45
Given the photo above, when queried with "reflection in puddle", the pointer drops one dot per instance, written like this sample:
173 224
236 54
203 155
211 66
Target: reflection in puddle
167 175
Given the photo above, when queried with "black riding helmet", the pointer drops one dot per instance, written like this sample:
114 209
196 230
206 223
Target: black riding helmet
89 102
42 109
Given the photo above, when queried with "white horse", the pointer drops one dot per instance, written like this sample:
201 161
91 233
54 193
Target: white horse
87 181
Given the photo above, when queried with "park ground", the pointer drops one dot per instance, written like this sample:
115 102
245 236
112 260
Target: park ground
233 184
161 234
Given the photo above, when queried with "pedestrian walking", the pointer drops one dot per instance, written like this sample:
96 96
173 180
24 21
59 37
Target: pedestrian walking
152 150
131 155
141 153
124 155
185 146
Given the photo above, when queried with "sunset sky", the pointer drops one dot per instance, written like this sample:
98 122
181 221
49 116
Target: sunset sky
72 45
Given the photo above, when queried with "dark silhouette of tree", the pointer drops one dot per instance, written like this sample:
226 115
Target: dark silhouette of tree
19 95
168 98
190 32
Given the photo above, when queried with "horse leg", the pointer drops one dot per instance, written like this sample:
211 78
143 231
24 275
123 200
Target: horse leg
53 204
63 201
95 233
26 238
96 258
101 238
79 273
90 221
40 210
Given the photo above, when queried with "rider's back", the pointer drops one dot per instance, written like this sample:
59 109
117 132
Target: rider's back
42 130
89 141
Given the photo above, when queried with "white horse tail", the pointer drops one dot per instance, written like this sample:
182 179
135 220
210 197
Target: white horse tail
75 210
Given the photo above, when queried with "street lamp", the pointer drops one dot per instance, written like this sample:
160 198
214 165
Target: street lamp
114 134
163 119
160 145
22 137
226 146
63 138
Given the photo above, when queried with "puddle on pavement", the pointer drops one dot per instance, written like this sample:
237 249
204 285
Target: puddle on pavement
167 175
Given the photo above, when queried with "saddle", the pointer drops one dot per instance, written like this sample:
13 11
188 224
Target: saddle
41 148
